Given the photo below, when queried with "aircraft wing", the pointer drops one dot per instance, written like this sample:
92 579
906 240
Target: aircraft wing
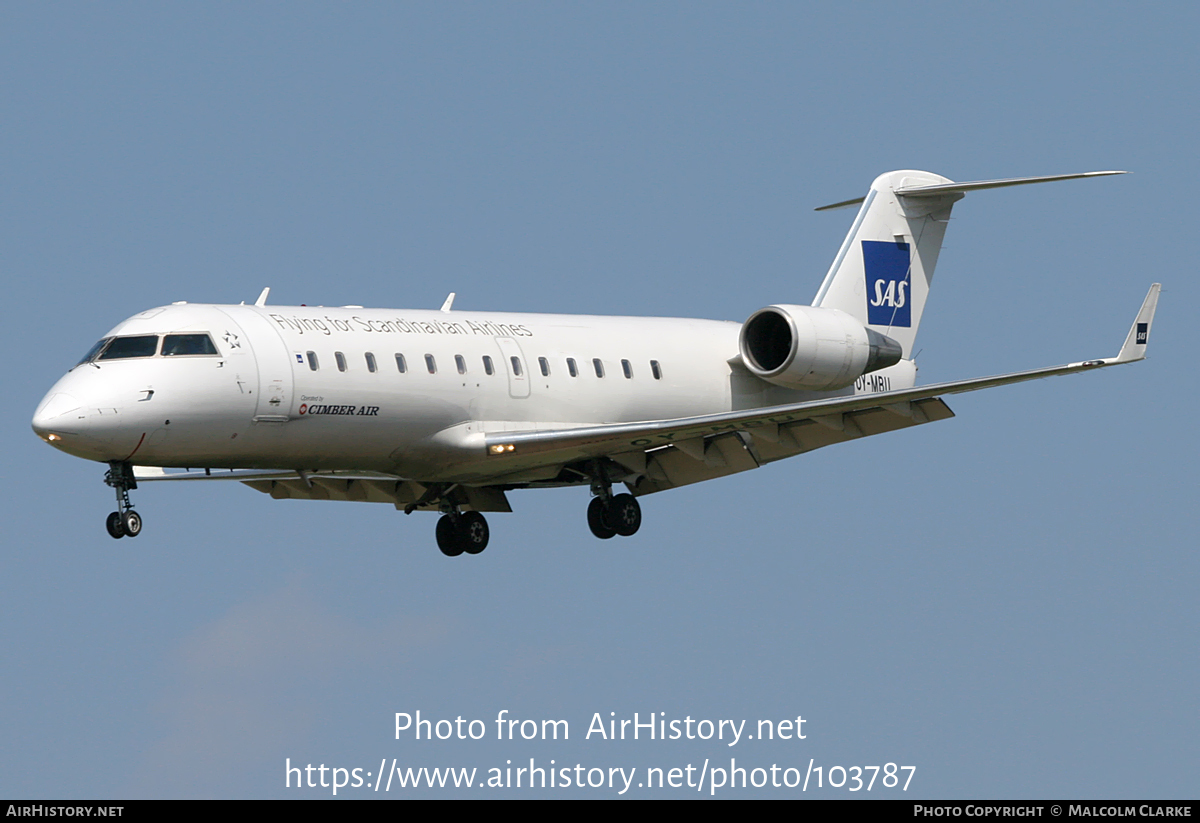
712 445
152 473
364 487
662 454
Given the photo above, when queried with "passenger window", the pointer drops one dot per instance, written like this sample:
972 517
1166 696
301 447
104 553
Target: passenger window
312 361
370 362
401 365
545 366
574 371
341 360
627 368
598 366
516 365
120 348
180 344
430 364
654 367
462 364
487 365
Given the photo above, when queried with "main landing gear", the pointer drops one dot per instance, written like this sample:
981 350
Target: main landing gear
457 532
462 532
124 522
611 514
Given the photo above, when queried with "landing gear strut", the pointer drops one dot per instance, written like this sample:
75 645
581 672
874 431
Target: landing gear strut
124 522
610 514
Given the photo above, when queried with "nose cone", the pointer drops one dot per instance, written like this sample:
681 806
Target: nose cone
58 414
53 406
79 419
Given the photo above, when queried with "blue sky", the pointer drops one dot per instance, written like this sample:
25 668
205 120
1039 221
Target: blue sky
1005 600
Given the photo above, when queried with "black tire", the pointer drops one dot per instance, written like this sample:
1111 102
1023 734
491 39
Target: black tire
448 538
113 524
625 514
473 532
131 521
598 518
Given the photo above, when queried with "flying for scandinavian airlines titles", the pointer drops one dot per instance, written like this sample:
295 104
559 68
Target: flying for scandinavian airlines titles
449 411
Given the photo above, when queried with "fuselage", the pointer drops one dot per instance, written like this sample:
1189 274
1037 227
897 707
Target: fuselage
406 392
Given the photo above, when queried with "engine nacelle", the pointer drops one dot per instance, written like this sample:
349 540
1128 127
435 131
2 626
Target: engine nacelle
804 347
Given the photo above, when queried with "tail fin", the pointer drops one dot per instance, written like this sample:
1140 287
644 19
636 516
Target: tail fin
882 273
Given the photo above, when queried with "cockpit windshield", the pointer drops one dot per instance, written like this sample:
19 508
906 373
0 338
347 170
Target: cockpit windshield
179 344
143 345
93 351
146 345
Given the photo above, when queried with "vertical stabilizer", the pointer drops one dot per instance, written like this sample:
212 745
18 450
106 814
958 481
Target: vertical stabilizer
882 273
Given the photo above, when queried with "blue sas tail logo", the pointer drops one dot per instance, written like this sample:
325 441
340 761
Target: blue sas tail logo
888 292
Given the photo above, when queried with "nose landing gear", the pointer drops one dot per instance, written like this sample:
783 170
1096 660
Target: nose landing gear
124 522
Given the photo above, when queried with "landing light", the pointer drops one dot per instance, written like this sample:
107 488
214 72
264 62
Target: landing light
501 448
50 438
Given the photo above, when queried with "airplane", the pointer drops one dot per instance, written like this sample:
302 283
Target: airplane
450 410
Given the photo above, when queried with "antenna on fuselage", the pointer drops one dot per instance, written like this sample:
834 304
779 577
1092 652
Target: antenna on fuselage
262 298
449 302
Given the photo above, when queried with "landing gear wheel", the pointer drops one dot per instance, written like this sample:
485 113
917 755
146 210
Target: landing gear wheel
113 524
124 522
625 514
131 522
448 538
472 532
598 519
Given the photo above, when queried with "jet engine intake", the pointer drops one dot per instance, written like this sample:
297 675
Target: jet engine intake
804 347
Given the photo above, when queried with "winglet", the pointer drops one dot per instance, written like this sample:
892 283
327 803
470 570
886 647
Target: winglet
262 298
1139 332
449 302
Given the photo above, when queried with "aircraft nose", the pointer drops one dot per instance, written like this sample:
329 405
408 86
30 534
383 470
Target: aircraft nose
54 412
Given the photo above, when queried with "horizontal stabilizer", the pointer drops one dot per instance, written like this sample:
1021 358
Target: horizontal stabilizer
979 185
842 205
974 185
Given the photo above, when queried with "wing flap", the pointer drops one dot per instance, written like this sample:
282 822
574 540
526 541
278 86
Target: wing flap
670 466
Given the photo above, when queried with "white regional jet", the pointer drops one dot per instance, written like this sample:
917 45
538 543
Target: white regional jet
448 411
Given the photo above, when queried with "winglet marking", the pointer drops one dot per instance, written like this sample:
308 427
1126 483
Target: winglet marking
1139 332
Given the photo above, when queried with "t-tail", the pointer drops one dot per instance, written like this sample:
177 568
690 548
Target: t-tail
883 271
